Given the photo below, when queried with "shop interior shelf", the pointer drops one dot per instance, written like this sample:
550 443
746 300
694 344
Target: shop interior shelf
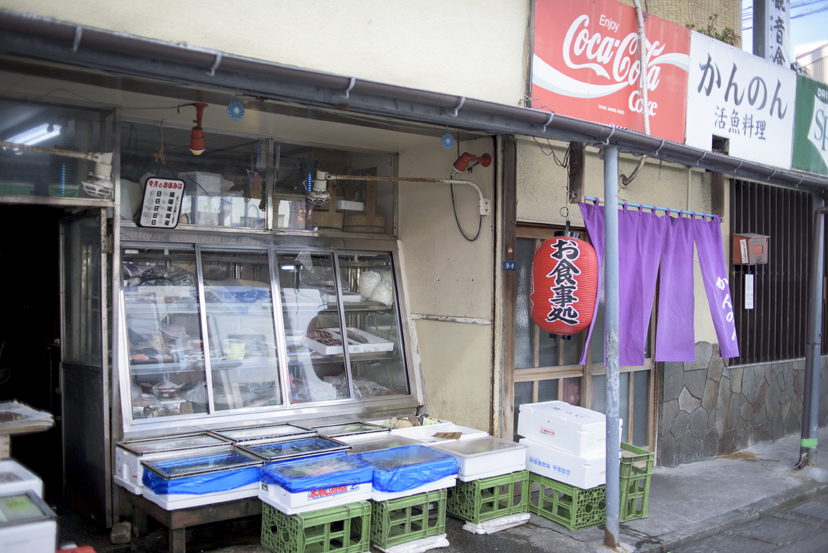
198 366
360 306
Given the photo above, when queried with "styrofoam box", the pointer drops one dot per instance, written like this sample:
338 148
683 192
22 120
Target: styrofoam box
171 502
485 457
576 430
129 472
15 478
446 482
375 343
347 205
35 537
425 434
302 502
581 472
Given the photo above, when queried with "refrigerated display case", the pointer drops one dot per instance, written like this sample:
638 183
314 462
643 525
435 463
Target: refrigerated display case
219 333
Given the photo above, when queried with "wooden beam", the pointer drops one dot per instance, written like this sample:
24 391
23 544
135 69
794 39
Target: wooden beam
717 194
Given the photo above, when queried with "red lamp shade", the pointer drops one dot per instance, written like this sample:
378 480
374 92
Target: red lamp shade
197 140
564 285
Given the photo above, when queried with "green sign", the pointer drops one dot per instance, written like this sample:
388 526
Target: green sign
810 143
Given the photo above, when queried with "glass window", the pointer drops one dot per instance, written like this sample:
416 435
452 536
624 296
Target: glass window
365 206
163 327
369 300
225 186
524 327
82 291
316 360
523 394
641 403
547 390
240 328
61 132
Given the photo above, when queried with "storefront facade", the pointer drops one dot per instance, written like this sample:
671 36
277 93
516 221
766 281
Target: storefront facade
461 348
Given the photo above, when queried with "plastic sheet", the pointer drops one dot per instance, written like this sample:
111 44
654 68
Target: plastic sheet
303 475
202 484
406 468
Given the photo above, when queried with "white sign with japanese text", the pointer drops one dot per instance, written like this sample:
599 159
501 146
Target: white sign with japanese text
778 32
742 98
162 203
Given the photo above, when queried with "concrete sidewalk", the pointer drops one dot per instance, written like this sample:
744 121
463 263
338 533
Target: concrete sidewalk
687 503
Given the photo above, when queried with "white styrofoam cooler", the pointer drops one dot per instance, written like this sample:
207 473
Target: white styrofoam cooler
171 502
576 430
36 537
581 472
425 434
14 478
130 472
484 457
302 502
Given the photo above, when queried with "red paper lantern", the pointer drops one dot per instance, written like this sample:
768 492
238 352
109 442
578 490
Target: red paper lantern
564 285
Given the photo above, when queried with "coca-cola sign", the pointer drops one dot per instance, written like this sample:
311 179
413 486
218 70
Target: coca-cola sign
586 65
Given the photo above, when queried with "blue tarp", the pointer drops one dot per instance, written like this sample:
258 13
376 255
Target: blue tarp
201 484
302 475
233 476
406 468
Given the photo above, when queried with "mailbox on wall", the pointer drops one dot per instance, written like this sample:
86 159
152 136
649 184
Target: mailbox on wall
750 249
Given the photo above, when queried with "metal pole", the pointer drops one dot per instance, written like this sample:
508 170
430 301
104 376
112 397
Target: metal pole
760 29
813 359
611 324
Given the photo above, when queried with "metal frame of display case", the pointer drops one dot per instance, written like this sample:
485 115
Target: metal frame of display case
273 242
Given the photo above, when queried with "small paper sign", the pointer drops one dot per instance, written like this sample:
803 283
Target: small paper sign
748 291
448 435
162 203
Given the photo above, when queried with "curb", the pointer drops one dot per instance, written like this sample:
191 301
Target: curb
710 527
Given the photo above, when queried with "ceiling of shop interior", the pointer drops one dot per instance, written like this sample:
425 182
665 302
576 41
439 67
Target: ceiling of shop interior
144 100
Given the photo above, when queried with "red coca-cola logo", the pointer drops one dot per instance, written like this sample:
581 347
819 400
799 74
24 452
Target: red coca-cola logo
587 65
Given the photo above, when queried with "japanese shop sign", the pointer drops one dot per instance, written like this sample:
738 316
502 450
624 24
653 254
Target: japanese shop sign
162 203
778 49
743 98
810 141
586 65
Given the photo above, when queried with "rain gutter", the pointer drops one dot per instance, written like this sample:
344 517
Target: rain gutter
48 39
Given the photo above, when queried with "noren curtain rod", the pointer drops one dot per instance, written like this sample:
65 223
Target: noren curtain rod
655 208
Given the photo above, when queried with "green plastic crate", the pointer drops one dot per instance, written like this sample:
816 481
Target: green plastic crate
406 519
567 505
335 530
635 471
489 498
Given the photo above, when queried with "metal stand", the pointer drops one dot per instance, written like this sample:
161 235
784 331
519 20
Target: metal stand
179 520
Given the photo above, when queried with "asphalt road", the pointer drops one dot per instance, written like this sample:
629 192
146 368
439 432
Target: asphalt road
800 529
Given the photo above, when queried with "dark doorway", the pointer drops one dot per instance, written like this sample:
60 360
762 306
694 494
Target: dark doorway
30 331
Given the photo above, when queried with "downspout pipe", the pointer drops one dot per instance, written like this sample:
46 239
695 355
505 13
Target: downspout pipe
813 359
611 324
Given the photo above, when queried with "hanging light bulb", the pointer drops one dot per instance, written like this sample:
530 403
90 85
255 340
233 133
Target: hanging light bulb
197 135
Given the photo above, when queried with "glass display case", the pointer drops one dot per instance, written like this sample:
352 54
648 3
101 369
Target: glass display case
278 331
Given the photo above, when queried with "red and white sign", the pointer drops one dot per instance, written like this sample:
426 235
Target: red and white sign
586 65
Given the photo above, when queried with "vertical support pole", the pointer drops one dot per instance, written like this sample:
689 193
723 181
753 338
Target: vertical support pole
611 324
813 341
760 29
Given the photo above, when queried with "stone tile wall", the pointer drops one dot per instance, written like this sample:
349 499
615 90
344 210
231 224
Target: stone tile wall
707 409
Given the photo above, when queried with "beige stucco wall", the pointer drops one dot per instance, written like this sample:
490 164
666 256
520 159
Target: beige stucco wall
541 190
447 276
474 48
